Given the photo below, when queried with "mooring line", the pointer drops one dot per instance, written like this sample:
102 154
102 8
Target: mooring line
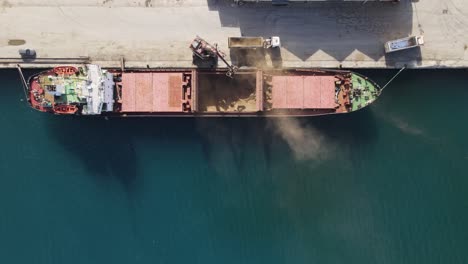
393 78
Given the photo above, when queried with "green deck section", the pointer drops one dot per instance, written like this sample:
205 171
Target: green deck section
70 93
364 92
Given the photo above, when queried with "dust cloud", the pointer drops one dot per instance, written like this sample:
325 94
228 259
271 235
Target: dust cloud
405 127
305 141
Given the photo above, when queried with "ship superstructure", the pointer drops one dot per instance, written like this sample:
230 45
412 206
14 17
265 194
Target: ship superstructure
86 90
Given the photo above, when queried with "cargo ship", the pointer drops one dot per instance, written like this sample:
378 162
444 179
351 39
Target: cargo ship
90 90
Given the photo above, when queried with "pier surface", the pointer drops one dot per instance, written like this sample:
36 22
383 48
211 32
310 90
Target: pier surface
157 33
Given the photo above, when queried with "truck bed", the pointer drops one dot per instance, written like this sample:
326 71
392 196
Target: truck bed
245 42
403 43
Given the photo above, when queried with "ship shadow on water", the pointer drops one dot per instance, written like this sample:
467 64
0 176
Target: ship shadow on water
353 129
109 147
244 183
239 136
105 147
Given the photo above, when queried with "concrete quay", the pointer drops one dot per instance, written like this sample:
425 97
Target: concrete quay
157 33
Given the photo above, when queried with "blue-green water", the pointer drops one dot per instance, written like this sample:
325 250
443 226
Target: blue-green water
387 184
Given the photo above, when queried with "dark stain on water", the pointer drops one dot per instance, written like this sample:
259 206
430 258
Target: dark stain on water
16 42
386 184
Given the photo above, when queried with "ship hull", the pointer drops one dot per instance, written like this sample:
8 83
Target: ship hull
267 88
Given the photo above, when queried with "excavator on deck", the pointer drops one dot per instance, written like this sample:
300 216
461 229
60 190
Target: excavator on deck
205 51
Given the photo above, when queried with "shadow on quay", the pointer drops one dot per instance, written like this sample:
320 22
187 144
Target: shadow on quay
406 58
334 28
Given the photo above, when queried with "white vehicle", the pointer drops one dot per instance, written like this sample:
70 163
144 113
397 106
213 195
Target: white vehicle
404 43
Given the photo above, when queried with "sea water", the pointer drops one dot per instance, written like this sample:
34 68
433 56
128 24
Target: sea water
386 184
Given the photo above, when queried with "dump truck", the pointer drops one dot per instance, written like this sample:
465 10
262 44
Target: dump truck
404 43
254 42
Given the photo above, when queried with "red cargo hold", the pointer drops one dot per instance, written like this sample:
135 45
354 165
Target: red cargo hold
152 92
303 92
